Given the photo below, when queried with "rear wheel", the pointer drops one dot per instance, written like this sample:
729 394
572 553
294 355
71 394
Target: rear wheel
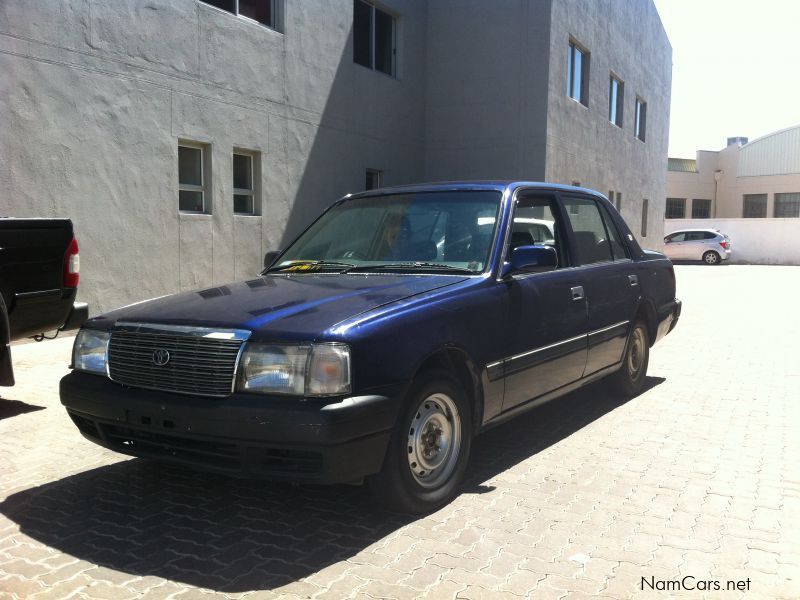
711 258
429 449
629 380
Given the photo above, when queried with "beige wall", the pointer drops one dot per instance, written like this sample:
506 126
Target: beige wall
727 198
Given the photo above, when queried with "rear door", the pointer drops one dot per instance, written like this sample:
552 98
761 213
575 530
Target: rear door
610 281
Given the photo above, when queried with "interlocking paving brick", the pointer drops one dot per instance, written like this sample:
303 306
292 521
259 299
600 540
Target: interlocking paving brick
579 498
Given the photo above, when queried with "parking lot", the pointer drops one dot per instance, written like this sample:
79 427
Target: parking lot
695 481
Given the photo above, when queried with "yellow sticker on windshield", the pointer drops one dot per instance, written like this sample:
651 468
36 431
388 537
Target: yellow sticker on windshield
303 267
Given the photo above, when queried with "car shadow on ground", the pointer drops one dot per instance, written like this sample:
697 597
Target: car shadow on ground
229 535
12 408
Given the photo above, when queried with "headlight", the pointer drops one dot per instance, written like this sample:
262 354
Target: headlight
300 370
90 352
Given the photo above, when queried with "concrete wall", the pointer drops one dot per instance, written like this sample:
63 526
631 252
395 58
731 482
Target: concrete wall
95 96
628 39
486 103
754 241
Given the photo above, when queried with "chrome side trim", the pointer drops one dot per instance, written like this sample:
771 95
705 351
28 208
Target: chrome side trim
507 359
548 347
609 328
211 332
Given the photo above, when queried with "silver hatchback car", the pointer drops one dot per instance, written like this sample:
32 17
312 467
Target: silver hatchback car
709 245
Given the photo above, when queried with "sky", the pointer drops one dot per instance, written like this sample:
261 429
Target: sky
736 70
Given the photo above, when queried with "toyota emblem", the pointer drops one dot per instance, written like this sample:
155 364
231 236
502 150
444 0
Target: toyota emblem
160 357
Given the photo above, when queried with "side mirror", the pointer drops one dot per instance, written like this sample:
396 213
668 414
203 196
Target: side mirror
269 258
531 259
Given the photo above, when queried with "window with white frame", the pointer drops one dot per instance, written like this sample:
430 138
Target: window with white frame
265 12
245 168
578 73
640 124
616 99
192 178
374 179
374 37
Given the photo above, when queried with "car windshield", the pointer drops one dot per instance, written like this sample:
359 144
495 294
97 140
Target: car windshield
432 231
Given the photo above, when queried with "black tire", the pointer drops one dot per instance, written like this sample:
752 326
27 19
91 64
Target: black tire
435 402
629 380
711 258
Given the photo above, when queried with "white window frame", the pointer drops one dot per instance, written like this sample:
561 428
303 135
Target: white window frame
640 119
276 9
185 187
584 72
253 192
615 108
372 22
378 177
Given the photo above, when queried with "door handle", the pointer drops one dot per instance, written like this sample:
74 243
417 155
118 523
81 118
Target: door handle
577 292
633 279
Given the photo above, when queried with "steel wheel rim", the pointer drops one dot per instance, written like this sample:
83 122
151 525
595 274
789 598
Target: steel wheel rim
434 440
636 353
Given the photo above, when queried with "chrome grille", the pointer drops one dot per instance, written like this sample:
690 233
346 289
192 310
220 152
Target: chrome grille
199 363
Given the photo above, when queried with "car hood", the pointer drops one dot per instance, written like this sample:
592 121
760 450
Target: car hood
279 307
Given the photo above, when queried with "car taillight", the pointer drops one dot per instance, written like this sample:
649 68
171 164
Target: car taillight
724 244
72 265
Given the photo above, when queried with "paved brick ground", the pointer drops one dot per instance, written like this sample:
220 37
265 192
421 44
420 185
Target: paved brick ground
697 476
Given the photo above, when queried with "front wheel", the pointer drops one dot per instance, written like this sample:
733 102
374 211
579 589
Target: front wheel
629 380
711 258
429 449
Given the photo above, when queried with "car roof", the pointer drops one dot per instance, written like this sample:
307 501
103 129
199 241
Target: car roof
688 230
473 185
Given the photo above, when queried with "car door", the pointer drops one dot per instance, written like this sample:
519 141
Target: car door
610 281
545 330
674 245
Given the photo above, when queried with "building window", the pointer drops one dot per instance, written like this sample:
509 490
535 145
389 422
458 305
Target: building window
374 179
245 176
640 125
676 208
645 204
260 11
787 206
754 206
616 95
374 37
578 74
701 208
191 178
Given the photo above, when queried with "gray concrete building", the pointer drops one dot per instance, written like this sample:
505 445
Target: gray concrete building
186 138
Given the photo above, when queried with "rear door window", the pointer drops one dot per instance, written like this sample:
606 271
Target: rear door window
595 240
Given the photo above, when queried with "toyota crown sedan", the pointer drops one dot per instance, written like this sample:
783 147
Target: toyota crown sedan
399 325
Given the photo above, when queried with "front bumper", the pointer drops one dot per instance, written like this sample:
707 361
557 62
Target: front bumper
244 435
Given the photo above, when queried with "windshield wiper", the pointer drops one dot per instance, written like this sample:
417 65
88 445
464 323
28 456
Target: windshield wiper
411 265
304 266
